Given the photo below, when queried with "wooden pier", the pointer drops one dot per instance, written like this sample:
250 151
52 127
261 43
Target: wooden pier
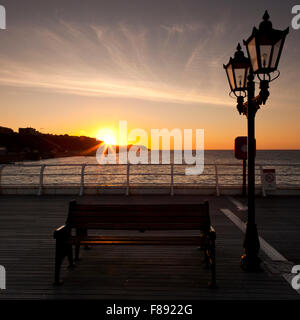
143 272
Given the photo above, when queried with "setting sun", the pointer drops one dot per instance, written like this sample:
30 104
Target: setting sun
107 135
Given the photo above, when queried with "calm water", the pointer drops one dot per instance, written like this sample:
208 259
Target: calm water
281 160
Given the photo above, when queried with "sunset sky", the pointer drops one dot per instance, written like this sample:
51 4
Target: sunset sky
78 66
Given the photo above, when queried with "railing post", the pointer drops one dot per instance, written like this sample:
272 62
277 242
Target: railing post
217 180
1 169
82 180
127 179
41 179
263 190
172 179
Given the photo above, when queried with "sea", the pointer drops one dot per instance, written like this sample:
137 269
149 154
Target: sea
67 171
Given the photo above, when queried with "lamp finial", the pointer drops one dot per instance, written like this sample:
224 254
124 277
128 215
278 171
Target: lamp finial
266 16
266 24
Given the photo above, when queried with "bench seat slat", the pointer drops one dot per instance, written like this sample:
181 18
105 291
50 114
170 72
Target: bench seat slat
145 210
141 219
166 207
177 243
109 240
102 212
142 226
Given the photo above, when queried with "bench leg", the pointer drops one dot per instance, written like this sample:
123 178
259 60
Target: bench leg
63 249
81 233
206 258
85 232
59 257
77 250
212 260
70 256
209 248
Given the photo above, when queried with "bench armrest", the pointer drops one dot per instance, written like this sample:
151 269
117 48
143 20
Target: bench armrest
62 232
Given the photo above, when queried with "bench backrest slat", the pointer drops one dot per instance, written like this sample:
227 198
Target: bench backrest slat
140 216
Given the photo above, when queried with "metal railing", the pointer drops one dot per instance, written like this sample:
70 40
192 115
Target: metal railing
214 175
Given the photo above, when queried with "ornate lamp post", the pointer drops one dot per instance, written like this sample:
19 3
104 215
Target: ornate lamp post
264 48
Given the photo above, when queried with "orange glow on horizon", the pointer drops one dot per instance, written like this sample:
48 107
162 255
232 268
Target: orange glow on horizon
88 151
107 135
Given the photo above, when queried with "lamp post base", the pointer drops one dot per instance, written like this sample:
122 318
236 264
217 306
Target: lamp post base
250 261
251 264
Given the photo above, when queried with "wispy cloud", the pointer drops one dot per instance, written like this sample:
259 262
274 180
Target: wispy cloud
94 60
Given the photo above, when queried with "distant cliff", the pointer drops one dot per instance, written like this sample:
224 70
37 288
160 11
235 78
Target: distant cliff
34 145
29 144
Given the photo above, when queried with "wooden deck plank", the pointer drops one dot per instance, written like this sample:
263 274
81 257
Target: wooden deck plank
123 272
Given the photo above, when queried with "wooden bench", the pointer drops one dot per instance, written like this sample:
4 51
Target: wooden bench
140 217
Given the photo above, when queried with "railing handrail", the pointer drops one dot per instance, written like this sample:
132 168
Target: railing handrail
144 164
129 173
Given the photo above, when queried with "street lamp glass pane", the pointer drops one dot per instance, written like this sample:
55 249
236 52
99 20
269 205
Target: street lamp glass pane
265 53
253 55
275 53
246 76
230 76
239 77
